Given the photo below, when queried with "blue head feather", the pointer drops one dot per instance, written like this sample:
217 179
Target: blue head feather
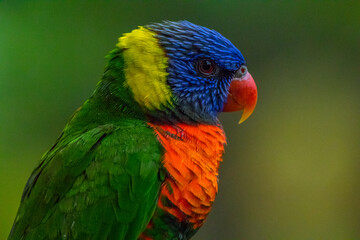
198 98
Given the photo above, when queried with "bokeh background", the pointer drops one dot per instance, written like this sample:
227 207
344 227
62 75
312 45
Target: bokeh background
291 171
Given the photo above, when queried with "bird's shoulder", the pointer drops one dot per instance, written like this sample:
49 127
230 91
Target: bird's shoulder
100 173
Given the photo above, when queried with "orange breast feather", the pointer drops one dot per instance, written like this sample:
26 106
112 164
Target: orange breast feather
192 158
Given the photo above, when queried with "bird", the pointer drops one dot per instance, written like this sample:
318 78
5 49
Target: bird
140 158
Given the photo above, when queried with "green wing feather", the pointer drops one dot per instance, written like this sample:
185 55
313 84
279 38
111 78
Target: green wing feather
101 178
102 185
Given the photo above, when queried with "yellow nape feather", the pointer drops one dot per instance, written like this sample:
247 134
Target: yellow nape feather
145 68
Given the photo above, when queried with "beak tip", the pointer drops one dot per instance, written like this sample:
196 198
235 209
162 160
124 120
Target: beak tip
241 121
244 116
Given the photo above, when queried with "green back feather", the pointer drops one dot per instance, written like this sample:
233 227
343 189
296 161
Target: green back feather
101 178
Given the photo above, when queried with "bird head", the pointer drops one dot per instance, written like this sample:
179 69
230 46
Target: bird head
182 72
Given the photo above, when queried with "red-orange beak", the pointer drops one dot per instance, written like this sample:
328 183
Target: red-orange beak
242 96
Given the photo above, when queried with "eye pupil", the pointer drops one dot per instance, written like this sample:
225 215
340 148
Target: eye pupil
206 65
242 70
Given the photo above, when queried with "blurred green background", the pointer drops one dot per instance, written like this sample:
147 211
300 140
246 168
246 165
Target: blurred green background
290 172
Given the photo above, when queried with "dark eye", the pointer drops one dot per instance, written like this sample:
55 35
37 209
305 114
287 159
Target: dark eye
206 67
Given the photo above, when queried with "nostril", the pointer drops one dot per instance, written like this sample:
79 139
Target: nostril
241 72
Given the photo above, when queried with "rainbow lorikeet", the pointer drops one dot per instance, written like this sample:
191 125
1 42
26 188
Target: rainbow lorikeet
140 158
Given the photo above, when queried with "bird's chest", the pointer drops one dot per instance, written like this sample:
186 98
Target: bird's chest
192 157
